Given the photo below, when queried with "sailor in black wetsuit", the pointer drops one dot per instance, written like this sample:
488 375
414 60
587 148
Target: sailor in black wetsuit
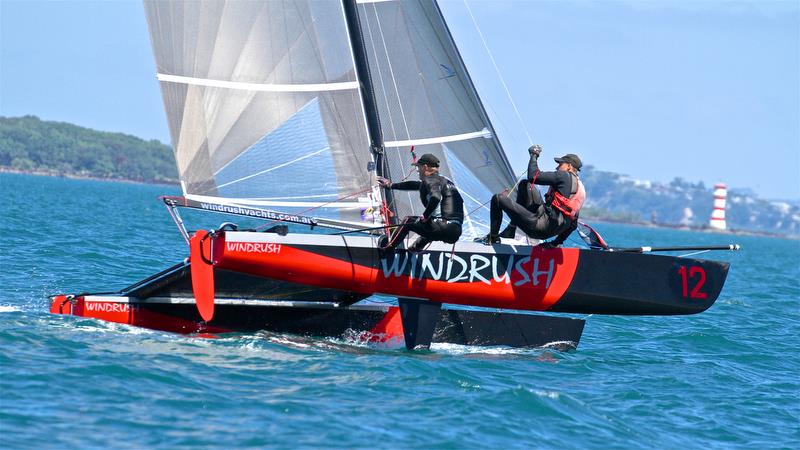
556 215
444 207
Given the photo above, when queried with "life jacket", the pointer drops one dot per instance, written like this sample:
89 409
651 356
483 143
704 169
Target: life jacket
569 206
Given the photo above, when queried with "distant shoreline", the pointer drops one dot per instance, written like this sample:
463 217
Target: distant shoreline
47 173
665 226
75 176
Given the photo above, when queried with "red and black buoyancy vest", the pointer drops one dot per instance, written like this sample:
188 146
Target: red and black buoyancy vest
569 206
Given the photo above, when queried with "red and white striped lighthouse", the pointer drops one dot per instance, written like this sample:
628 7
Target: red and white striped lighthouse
718 214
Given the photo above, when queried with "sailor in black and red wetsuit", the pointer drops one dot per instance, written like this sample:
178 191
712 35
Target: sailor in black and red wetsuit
444 207
556 215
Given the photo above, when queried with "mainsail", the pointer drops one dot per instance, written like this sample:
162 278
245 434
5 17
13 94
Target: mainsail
263 104
265 110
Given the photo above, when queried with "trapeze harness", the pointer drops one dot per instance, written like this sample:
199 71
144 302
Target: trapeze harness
568 206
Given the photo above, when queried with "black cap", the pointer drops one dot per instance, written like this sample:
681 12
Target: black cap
427 159
572 159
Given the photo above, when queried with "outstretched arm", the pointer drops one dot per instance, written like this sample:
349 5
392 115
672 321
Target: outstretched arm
533 163
406 185
403 186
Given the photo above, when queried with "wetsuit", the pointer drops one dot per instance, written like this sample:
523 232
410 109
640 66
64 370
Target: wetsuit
533 215
443 215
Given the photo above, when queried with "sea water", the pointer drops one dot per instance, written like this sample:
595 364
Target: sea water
728 377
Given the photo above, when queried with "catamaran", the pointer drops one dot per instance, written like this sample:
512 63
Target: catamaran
287 112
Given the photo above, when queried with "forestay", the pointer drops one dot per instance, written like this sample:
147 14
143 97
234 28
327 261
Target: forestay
263 104
426 99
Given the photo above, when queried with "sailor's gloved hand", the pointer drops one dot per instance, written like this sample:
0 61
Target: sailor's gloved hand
535 150
421 219
384 182
548 245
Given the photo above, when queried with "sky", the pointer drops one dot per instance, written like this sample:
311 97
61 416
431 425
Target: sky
704 90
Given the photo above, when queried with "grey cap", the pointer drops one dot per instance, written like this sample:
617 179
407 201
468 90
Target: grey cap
572 159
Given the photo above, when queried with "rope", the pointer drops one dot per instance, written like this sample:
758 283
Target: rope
397 93
510 191
391 71
387 206
361 230
380 78
502 81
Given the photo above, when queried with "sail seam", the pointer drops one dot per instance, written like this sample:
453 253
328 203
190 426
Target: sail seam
261 87
248 149
275 167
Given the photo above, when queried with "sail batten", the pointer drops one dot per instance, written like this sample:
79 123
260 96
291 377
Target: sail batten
485 133
258 87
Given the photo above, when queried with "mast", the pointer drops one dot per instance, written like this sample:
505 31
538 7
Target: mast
368 98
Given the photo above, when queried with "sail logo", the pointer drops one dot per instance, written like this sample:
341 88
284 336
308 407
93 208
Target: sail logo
253 247
108 307
514 269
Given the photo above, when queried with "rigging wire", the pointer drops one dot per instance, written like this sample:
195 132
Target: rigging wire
693 253
510 191
397 93
508 94
391 71
502 80
301 213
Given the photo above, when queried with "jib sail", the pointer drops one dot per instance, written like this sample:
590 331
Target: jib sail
426 99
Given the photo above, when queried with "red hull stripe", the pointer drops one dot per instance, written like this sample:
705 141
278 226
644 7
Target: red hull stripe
533 283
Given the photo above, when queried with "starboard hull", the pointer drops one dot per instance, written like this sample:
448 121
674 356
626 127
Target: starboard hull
310 284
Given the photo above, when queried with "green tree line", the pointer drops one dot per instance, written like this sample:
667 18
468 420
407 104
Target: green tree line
30 144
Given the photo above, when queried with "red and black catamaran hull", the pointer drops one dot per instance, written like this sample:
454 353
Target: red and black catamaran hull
311 285
501 276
